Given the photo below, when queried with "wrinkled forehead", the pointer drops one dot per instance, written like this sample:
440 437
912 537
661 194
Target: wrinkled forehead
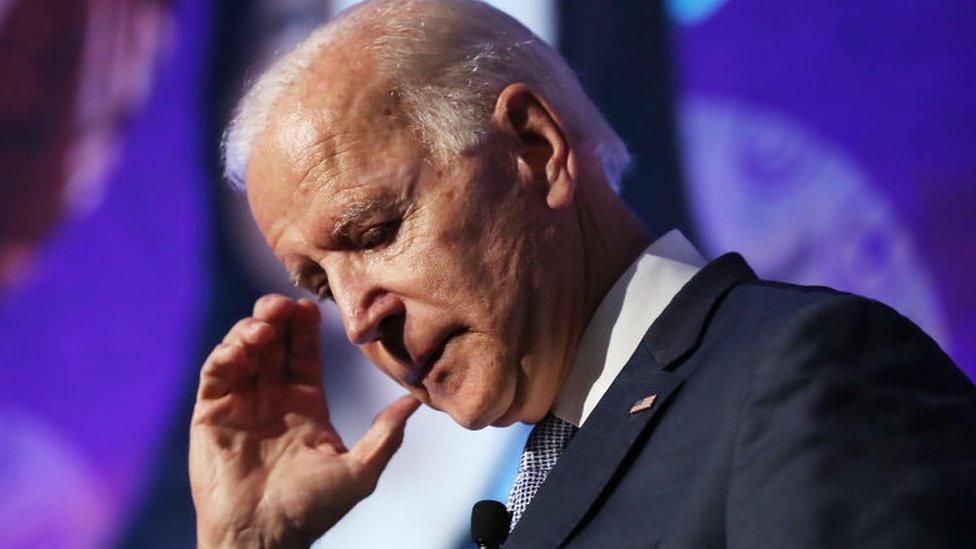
333 132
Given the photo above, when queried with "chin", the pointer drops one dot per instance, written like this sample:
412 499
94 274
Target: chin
477 413
471 423
504 421
478 406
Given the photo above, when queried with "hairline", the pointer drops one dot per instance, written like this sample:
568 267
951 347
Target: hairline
270 88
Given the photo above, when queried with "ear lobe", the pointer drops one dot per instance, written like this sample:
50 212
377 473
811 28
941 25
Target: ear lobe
542 143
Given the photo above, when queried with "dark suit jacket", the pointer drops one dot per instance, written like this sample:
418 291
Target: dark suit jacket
785 416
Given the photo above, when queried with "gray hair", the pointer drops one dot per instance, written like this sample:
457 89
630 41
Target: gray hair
447 61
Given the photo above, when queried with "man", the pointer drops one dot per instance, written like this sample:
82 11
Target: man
436 170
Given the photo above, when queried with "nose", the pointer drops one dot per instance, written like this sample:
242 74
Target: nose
363 306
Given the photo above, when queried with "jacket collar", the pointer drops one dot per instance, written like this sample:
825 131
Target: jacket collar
679 328
593 457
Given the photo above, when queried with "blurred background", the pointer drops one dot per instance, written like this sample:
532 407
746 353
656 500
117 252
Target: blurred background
832 143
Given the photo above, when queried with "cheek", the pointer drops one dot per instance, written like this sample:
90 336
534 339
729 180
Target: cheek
469 251
441 261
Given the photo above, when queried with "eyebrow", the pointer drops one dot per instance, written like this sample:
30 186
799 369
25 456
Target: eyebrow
358 212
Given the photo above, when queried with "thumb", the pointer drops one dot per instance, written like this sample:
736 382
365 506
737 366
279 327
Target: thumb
384 436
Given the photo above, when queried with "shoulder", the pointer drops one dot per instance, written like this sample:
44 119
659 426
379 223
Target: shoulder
774 307
854 428
817 331
798 359
842 370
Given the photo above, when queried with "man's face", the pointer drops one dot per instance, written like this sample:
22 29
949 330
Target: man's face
446 276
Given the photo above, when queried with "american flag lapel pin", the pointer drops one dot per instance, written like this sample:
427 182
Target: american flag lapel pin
643 404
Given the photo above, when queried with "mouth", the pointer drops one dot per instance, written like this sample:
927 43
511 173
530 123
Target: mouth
430 358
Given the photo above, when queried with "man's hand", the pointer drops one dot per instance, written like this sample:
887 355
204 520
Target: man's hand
266 466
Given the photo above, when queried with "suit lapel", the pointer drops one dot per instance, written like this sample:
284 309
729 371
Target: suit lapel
594 454
602 445
679 328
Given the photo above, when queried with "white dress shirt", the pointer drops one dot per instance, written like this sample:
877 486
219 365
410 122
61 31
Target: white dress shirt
621 320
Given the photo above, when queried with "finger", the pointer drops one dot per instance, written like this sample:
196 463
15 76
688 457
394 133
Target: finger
226 366
274 309
304 361
250 331
383 438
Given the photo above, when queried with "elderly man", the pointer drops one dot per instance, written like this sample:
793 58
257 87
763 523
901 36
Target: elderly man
437 171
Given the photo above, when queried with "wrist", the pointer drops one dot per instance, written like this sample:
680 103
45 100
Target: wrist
225 538
252 536
216 538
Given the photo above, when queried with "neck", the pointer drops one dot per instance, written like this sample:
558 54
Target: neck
612 239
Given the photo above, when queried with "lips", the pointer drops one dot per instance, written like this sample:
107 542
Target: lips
428 358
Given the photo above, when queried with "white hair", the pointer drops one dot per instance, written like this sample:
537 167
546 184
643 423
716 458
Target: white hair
447 61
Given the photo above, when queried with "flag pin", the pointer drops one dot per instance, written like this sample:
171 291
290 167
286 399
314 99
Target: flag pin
643 404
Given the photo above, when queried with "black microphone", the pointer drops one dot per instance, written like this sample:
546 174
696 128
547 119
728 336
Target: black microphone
489 524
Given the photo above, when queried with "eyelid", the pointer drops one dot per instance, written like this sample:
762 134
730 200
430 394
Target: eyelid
303 281
392 226
359 214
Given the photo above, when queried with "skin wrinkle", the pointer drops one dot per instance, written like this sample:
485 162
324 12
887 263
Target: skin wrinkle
357 215
503 247
480 251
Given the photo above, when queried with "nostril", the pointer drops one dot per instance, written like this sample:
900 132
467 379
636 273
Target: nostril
391 336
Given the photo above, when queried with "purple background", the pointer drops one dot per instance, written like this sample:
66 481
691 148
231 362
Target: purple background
831 143
97 345
868 101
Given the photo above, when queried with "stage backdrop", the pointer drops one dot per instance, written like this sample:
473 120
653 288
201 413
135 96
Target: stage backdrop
834 143
831 143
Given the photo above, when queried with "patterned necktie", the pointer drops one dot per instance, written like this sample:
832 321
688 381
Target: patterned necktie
545 444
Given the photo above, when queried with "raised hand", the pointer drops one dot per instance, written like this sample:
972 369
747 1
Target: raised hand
266 466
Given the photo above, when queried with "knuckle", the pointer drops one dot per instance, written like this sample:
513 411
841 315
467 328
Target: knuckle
268 300
244 323
217 351
243 329
227 352
233 332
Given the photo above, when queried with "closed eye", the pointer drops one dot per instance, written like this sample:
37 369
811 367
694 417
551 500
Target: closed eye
379 235
312 279
323 292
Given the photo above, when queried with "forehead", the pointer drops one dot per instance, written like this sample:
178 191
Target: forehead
334 137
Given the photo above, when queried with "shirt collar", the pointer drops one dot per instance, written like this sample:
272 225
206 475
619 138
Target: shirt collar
621 320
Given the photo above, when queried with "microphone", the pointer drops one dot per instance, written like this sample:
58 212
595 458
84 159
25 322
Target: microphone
489 524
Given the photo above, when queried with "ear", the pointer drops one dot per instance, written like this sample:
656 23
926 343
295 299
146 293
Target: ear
543 150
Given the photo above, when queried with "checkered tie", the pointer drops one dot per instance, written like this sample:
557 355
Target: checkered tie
546 443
